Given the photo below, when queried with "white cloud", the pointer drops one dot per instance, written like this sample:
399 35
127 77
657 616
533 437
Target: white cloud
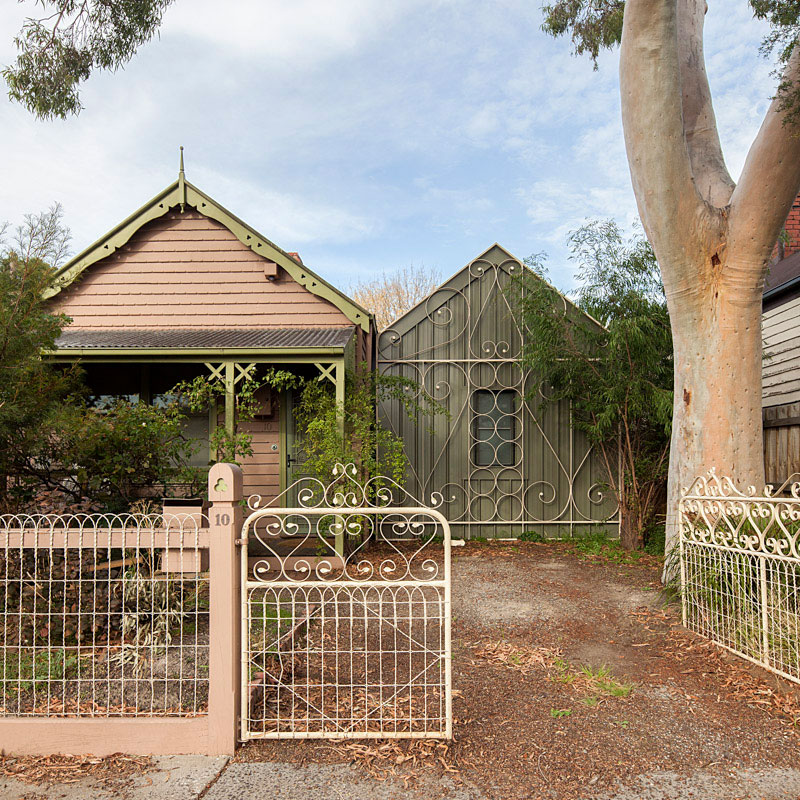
287 219
301 33
366 134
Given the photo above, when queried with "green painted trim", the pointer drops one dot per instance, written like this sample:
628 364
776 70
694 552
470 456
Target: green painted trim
230 397
113 240
264 354
182 193
283 410
339 382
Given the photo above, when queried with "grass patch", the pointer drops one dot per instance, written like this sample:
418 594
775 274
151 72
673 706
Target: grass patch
591 701
596 683
532 536
599 682
558 713
605 681
27 669
600 547
563 671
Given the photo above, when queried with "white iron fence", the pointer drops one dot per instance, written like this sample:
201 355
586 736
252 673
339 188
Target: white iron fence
740 570
346 614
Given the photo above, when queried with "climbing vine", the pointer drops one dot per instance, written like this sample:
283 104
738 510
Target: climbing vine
202 392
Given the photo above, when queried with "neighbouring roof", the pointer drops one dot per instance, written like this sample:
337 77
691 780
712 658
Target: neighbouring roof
782 272
782 283
182 193
197 339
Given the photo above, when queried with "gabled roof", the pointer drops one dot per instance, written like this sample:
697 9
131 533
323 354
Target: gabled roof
182 193
496 255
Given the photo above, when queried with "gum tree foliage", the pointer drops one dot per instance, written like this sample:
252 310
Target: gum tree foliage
712 237
60 49
617 378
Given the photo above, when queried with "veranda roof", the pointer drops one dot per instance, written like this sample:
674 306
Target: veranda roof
201 338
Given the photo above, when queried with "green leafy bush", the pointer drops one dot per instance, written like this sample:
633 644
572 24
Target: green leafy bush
610 356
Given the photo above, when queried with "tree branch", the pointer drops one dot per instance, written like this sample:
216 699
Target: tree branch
769 183
711 176
652 118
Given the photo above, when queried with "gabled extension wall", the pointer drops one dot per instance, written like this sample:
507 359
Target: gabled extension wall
505 465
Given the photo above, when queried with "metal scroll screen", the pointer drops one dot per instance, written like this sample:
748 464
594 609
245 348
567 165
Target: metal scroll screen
507 460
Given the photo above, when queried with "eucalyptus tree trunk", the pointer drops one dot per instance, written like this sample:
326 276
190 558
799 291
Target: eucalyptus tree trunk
712 238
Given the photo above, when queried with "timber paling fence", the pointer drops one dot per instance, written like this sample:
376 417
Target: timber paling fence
121 632
740 570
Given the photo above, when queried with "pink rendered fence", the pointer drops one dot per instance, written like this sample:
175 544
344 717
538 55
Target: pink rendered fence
121 632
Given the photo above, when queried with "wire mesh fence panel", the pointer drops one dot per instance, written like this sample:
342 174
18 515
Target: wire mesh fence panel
721 596
346 616
740 570
346 660
104 615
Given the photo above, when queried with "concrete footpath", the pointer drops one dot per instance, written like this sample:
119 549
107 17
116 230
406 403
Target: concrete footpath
191 777
203 778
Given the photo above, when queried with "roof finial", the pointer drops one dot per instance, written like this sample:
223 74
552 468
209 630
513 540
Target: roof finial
182 183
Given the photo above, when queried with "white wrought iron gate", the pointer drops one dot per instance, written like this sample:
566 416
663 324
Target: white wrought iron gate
346 614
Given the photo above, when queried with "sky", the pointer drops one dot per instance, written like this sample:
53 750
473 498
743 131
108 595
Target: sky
367 135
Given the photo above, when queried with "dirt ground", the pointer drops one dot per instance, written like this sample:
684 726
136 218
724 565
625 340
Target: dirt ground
572 678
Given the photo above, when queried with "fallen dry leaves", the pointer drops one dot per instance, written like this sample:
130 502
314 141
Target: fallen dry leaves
515 656
736 679
524 659
39 770
381 759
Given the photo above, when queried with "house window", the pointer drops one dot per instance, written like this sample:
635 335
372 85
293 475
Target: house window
494 428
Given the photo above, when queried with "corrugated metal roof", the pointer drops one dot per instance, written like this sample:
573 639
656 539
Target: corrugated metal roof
783 271
200 338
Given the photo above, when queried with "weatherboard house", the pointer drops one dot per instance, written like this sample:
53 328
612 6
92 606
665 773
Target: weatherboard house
183 288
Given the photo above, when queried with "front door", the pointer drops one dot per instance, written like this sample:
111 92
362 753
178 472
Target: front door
294 452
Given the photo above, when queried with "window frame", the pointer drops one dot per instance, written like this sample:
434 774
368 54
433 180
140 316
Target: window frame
487 428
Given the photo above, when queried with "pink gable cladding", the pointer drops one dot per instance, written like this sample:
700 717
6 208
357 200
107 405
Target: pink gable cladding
185 270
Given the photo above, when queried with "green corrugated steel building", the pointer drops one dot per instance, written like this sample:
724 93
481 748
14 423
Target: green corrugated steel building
504 465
